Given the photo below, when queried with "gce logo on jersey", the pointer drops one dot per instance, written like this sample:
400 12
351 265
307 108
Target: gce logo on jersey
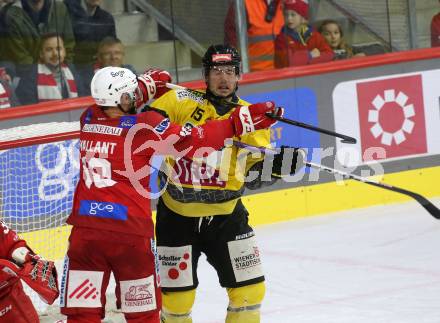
96 207
102 209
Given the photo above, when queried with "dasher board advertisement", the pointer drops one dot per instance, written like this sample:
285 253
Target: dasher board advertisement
393 117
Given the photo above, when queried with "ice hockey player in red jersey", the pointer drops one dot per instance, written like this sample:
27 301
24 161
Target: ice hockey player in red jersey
112 226
18 262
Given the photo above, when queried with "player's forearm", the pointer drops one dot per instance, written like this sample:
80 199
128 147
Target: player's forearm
210 136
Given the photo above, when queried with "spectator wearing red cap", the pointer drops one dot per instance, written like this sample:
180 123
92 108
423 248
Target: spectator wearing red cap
298 43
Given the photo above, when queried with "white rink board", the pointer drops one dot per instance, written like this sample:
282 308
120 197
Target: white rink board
373 265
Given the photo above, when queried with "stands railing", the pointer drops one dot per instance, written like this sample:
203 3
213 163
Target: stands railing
146 7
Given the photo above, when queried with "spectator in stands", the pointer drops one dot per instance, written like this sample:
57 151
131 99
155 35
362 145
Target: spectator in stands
111 52
51 78
264 21
91 24
435 30
298 43
332 31
7 94
3 32
25 21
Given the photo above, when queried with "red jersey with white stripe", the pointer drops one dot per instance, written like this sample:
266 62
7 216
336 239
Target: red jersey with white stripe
113 193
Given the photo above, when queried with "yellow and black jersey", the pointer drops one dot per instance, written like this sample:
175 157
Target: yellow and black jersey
213 185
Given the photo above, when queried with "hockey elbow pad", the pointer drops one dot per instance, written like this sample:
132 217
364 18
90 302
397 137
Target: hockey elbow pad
285 162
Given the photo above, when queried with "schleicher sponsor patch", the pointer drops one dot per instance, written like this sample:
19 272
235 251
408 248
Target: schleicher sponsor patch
175 266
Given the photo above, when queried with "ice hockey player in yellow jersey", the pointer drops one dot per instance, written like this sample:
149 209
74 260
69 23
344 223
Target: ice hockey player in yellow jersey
201 210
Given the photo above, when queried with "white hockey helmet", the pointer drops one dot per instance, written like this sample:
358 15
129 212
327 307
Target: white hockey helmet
109 83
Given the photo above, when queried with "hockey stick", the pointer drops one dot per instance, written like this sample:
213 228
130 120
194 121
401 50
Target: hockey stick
345 139
427 205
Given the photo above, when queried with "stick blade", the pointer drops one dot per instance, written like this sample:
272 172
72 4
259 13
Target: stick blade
423 201
429 206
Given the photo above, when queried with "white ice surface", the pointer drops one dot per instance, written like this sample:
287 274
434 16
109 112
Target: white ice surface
375 265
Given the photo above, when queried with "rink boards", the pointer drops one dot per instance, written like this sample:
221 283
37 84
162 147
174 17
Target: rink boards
292 203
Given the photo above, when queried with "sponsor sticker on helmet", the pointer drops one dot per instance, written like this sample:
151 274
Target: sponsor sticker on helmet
117 73
221 58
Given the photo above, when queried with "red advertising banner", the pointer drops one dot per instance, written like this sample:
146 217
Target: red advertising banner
392 116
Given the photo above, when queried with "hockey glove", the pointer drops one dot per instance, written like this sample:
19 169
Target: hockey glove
160 78
290 157
258 182
147 88
41 276
247 119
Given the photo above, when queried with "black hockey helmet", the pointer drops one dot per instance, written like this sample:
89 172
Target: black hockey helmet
221 54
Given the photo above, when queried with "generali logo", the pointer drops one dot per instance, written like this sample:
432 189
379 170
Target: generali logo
139 295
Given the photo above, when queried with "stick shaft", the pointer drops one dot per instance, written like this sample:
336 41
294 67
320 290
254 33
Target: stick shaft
346 138
424 202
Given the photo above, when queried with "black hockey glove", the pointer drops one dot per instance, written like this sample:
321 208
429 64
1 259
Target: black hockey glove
257 181
291 156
